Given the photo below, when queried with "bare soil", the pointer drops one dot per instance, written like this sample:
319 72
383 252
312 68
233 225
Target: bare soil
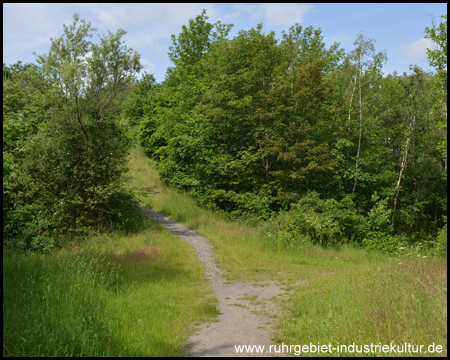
248 312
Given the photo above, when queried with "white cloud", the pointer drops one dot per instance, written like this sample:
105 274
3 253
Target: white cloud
150 24
284 15
27 28
247 15
149 67
153 15
417 50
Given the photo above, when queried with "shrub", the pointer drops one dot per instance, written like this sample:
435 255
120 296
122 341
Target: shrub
323 222
390 244
378 219
441 242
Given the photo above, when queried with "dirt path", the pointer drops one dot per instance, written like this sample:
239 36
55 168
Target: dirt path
247 314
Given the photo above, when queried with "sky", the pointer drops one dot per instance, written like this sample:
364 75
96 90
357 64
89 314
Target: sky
397 29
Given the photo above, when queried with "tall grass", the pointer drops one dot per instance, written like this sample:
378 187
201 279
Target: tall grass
403 302
347 295
112 295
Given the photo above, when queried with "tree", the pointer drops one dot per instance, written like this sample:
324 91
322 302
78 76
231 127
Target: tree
242 124
71 174
195 41
437 58
169 120
25 104
89 76
133 104
367 63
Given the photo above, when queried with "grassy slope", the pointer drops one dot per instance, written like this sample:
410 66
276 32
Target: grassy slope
348 296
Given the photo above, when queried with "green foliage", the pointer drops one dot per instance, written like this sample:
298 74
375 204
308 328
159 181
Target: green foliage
192 42
441 242
438 57
65 178
379 217
25 104
251 125
77 186
322 222
227 136
390 244
133 105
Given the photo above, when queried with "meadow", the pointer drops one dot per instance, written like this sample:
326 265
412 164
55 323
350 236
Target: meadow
111 295
141 294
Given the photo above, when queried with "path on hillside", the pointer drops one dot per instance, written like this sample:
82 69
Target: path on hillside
246 312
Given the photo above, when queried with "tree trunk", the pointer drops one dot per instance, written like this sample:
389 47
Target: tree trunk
402 167
360 129
350 106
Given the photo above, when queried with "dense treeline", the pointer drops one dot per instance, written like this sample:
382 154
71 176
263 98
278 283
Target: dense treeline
317 141
256 126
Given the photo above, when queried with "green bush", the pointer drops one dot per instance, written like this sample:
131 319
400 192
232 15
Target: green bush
66 185
323 222
329 221
390 244
378 219
441 242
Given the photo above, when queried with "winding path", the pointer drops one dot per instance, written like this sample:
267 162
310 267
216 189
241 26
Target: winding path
246 312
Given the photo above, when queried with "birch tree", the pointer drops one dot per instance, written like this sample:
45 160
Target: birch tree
367 64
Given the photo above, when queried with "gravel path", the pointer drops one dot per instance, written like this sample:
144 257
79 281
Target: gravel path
246 312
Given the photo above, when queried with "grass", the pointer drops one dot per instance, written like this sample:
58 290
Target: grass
141 294
399 302
116 295
344 296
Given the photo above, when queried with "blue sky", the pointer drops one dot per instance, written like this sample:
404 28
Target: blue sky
397 28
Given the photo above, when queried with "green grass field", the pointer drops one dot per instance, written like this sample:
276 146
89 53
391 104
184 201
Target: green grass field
142 294
135 295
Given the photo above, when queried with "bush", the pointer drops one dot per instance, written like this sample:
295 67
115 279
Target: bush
66 185
323 222
390 244
378 219
440 244
34 233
